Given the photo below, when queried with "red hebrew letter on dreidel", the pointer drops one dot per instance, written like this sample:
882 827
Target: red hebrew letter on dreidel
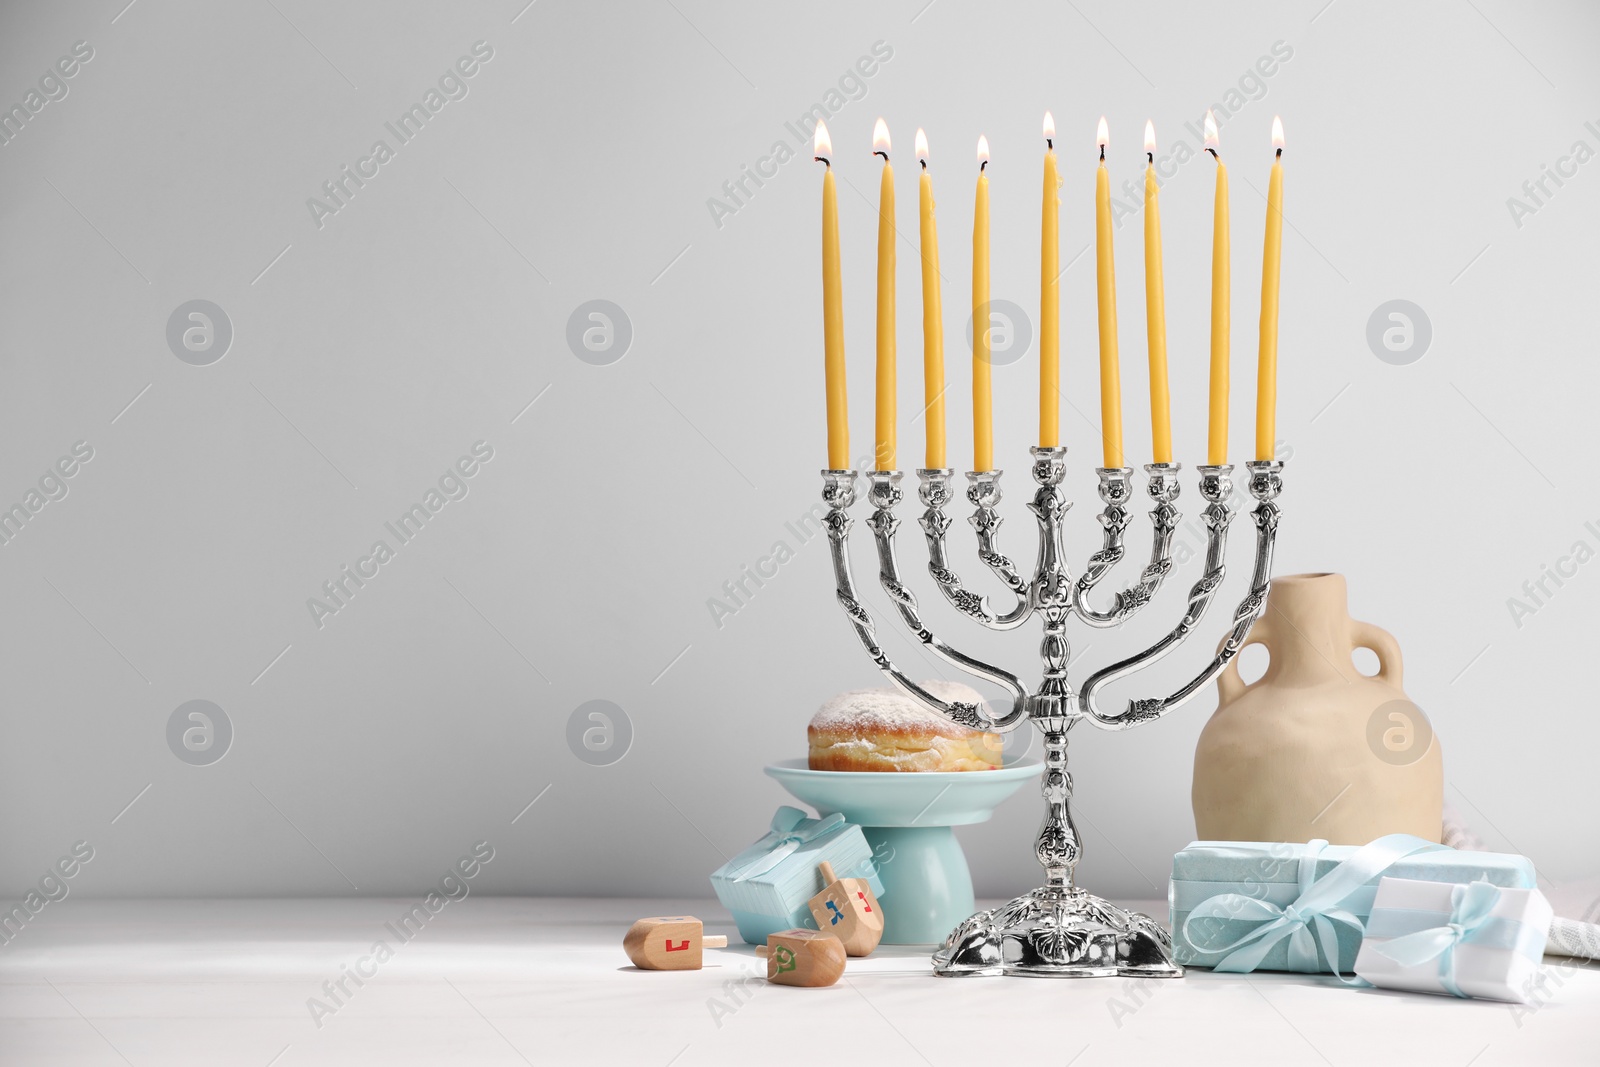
847 909
668 943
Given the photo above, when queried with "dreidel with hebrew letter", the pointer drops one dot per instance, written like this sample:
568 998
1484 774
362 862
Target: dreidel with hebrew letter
847 909
803 958
669 943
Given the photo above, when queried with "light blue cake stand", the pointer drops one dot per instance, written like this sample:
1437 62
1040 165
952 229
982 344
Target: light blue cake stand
927 886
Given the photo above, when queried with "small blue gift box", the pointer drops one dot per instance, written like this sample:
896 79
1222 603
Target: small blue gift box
766 886
1246 906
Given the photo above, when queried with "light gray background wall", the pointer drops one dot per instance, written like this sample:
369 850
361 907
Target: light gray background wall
429 313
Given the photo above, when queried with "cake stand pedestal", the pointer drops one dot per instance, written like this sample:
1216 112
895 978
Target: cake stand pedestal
906 817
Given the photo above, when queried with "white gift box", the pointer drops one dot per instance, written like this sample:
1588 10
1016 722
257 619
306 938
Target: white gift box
1465 940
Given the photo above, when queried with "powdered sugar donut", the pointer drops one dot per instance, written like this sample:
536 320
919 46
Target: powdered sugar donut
886 730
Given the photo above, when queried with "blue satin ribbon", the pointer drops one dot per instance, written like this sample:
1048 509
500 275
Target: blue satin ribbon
1185 895
1470 922
1307 922
790 830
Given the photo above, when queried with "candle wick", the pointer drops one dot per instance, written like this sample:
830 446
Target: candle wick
1279 154
1049 142
1102 153
885 155
982 165
924 163
1214 155
1150 157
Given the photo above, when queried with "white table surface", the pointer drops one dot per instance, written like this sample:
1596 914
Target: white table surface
544 981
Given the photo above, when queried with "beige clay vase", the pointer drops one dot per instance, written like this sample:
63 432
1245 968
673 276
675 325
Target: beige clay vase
1314 748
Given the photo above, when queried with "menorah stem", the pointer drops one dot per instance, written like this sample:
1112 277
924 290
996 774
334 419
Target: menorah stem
1057 845
1052 706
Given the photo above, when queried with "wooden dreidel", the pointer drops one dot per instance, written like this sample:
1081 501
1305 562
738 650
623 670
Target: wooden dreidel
669 943
848 910
803 958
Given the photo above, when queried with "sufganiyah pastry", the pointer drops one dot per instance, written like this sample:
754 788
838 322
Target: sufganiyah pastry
887 730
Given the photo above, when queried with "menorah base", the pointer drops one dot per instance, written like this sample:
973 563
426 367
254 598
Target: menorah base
1058 933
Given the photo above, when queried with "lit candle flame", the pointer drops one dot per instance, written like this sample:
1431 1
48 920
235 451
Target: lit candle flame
1102 135
880 139
983 151
1049 128
1149 137
821 143
922 146
1277 133
1212 142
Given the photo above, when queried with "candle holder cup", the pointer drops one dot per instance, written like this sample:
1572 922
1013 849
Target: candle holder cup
1058 929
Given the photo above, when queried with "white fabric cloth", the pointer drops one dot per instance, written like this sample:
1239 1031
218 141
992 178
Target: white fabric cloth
1574 931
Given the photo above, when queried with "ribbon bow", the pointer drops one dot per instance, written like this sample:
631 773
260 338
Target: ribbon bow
1470 911
1308 922
790 830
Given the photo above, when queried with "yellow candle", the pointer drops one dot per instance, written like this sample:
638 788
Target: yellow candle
832 312
1106 286
982 400
1050 297
932 319
1217 438
886 384
1155 308
1267 363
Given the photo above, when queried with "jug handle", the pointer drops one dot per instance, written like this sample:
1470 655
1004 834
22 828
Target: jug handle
1384 646
1229 684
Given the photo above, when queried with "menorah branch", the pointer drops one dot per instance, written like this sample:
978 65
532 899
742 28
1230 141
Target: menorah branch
884 495
934 491
1216 487
1115 491
839 493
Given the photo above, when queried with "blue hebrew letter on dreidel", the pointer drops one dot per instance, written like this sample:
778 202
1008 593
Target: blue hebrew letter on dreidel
837 914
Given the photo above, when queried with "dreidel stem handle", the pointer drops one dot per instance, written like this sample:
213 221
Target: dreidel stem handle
714 941
828 877
761 950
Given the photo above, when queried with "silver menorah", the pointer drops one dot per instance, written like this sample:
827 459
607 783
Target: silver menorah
1057 930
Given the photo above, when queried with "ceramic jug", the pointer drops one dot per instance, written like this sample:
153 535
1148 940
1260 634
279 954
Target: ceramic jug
1314 748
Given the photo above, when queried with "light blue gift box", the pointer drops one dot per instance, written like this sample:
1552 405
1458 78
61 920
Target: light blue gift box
767 886
1243 906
